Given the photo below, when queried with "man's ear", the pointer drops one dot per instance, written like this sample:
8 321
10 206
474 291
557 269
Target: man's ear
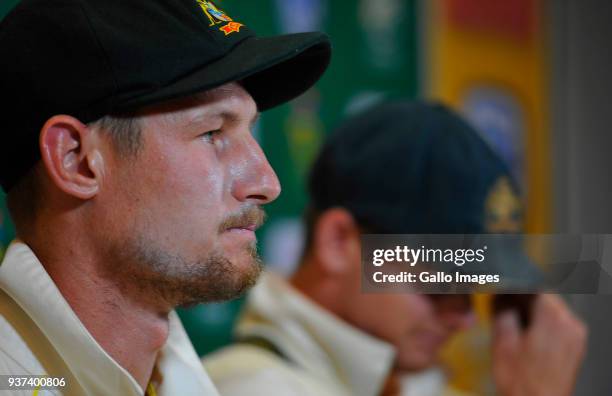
71 155
336 241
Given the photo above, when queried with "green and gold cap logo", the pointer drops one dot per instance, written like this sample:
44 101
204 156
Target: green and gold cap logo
219 17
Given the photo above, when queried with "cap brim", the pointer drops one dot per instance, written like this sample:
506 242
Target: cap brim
507 258
273 70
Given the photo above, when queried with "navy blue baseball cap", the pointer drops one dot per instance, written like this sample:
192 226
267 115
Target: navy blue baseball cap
407 168
412 167
90 58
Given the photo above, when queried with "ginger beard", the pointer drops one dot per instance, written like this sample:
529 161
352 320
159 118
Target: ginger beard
177 280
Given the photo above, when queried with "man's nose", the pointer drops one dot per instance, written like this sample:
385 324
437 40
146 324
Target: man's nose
256 180
456 321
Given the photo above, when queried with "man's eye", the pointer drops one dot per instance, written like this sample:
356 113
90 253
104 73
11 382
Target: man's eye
209 136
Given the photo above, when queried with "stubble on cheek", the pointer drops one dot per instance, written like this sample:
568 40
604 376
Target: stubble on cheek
170 279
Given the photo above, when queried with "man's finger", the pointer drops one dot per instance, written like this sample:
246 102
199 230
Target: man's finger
506 348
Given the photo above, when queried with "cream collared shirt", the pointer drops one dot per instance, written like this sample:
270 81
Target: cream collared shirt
41 335
324 355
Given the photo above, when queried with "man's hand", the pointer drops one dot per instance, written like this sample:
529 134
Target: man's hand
543 360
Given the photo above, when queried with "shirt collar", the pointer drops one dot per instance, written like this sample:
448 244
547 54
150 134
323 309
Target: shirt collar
25 280
430 382
315 337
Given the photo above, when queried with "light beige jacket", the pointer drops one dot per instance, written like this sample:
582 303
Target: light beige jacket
41 335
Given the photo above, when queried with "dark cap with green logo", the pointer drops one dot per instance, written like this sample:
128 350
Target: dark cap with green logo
90 58
408 167
412 167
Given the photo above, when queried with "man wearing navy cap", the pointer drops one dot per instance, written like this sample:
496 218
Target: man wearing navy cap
134 182
398 168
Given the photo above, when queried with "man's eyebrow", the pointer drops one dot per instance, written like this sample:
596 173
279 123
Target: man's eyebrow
233 117
226 116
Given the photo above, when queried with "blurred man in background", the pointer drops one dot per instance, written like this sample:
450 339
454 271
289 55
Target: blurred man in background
403 168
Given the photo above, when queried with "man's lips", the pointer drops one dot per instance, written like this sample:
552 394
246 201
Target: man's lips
245 232
248 219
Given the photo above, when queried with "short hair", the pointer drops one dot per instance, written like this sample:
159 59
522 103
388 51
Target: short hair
25 198
124 131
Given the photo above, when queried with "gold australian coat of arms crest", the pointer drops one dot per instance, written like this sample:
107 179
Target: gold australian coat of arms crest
217 17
